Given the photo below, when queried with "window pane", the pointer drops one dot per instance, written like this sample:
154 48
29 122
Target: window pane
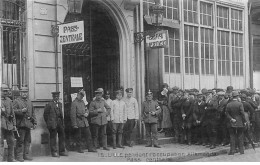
219 68
223 68
207 66
171 47
196 66
172 64
211 67
190 49
196 50
178 65
191 66
241 69
237 68
202 67
169 13
186 48
177 48
187 65
202 50
233 68
166 64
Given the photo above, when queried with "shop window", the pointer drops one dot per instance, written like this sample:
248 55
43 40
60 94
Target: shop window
191 49
190 11
172 53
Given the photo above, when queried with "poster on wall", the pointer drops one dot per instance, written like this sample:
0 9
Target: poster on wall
159 40
71 33
76 82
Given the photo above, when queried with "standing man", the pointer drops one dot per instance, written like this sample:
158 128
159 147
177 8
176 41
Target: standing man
78 116
118 118
99 109
8 122
236 116
109 123
132 116
150 112
26 120
54 120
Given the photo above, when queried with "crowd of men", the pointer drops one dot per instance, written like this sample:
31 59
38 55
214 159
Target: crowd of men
209 117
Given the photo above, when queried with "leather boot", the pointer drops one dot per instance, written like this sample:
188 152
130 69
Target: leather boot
120 141
114 141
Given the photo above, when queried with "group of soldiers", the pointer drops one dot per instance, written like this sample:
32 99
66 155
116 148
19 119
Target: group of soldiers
213 116
208 118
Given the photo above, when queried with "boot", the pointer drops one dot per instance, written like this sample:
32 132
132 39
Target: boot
114 141
120 141
26 157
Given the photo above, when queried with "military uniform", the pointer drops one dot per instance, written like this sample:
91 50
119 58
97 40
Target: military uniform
8 123
54 120
151 121
236 116
25 122
99 120
80 124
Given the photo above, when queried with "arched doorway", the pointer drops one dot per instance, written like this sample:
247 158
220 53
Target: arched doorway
97 60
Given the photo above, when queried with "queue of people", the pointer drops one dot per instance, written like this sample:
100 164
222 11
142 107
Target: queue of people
209 117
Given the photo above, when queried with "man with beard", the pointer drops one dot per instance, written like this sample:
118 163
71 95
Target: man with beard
26 120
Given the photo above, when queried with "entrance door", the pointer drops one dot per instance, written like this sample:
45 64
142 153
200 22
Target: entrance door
96 60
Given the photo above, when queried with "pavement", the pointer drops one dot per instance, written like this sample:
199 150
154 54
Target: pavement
140 153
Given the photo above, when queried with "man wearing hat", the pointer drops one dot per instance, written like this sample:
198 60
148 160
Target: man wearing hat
222 122
99 109
109 123
150 111
132 116
53 117
78 116
26 120
236 116
118 118
172 96
8 122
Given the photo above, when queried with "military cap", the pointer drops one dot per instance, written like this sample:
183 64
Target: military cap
129 89
55 93
175 88
99 90
81 92
204 91
149 92
235 93
107 93
4 87
194 90
24 89
221 93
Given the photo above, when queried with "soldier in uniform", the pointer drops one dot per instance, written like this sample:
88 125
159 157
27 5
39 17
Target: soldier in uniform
54 120
26 120
8 122
150 111
78 116
198 116
99 109
236 116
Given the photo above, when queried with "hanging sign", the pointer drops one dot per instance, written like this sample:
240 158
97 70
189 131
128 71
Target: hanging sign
71 32
76 82
159 40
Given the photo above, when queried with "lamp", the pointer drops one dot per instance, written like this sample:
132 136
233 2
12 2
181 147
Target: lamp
156 15
75 6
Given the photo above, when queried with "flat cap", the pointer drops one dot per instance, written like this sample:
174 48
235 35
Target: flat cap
4 87
235 93
221 93
55 93
119 91
204 90
99 90
24 89
175 88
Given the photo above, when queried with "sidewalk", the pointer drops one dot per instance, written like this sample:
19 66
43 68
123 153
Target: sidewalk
140 153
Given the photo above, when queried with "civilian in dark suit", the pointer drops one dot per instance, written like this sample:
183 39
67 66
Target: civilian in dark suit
236 116
54 120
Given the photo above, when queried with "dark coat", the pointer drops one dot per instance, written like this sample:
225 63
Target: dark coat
199 112
176 106
27 119
78 109
99 118
235 110
211 115
187 109
150 106
248 109
222 110
53 115
8 117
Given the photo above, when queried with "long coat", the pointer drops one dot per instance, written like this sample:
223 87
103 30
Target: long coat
53 114
78 109
199 112
8 120
147 108
235 110
27 119
187 109
99 118
211 115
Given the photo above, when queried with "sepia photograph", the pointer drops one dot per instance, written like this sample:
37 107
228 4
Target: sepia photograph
130 81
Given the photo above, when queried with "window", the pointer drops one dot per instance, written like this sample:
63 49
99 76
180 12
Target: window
207 51
13 34
206 14
190 11
237 54
223 53
146 6
236 20
222 17
171 9
172 54
191 49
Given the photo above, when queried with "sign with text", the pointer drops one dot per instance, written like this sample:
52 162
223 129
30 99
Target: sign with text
76 82
71 32
159 40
